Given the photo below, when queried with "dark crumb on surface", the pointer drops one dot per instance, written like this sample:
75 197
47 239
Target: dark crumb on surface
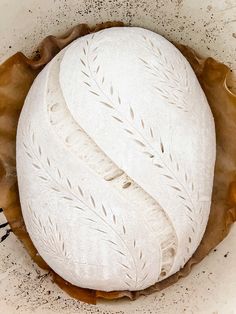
226 254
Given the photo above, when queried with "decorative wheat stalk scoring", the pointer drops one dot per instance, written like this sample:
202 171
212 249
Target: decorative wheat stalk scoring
172 87
52 240
98 217
139 131
79 139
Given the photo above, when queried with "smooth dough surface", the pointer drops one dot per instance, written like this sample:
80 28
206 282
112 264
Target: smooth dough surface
115 160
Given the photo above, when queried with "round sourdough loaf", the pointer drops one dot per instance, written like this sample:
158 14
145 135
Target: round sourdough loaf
115 160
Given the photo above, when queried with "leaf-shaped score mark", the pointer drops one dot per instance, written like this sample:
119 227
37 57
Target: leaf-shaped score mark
87 84
104 210
40 151
29 155
124 230
117 119
123 265
190 209
168 177
149 154
111 90
145 62
97 69
186 177
129 278
55 189
80 190
67 198
158 165
86 74
139 143
144 278
107 104
99 230
48 162
128 131
142 123
143 266
42 178
82 61
162 147
121 253
92 200
131 113
80 208
176 188
151 132
94 93
59 173
36 166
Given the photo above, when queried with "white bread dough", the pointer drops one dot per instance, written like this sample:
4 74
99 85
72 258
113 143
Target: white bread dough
115 160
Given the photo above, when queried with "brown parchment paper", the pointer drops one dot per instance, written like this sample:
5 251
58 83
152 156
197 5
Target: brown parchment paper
16 77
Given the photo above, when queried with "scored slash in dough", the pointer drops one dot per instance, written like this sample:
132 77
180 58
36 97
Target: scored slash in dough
115 160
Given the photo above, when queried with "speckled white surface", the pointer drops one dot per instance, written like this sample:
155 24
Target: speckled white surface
206 25
209 26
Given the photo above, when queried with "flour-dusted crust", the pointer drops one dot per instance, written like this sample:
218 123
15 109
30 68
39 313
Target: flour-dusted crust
115 160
